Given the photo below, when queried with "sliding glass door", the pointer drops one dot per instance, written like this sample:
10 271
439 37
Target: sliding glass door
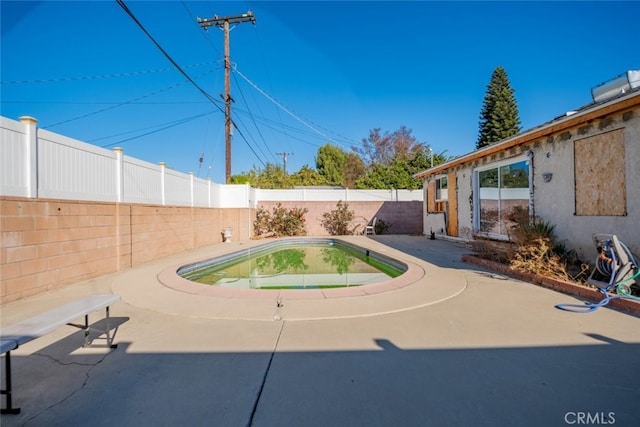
502 197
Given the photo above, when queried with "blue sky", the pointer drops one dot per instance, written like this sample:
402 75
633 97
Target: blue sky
331 72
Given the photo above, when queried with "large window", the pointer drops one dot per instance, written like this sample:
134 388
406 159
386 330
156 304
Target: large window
502 196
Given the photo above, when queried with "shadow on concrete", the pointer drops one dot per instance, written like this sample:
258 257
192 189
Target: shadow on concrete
439 252
387 386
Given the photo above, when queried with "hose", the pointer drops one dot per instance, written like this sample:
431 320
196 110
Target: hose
605 264
589 307
621 291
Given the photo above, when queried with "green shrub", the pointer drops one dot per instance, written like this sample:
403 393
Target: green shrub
280 222
381 226
338 222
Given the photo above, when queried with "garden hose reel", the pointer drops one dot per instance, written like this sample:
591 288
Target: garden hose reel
615 270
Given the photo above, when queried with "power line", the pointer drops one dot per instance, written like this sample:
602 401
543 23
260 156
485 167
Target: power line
100 76
35 101
265 122
179 121
248 144
270 98
261 53
194 18
228 121
173 124
164 52
111 107
285 109
232 122
253 119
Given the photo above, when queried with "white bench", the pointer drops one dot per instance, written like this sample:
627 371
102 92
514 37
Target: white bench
13 336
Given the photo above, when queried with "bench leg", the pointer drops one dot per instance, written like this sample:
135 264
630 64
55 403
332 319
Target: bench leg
7 391
108 331
87 330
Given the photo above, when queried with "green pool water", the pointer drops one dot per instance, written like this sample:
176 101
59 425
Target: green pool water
298 266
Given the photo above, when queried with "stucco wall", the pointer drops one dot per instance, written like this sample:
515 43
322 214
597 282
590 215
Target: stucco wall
554 201
465 203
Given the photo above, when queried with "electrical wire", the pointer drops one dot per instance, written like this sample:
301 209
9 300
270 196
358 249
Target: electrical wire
173 124
247 141
265 122
254 123
124 7
101 76
261 53
104 102
195 19
111 107
166 55
285 109
143 129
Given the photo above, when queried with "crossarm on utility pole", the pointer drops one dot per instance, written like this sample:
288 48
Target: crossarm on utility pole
224 23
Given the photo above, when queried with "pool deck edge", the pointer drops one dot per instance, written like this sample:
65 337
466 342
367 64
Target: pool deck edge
159 288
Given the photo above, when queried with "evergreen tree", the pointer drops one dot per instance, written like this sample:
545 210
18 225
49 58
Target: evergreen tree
330 163
499 116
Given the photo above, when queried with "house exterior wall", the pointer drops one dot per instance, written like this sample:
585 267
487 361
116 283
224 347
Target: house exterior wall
554 201
465 203
554 183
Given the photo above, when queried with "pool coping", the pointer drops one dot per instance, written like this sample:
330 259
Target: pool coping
156 286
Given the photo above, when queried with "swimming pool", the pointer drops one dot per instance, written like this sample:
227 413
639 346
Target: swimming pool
298 263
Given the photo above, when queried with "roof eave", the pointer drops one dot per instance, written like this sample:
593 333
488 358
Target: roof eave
554 126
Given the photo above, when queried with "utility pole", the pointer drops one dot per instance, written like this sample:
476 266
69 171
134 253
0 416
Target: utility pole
284 160
224 22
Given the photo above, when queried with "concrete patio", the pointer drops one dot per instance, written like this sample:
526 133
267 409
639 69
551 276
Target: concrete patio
459 346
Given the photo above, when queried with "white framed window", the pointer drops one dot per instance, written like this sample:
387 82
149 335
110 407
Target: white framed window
442 191
502 195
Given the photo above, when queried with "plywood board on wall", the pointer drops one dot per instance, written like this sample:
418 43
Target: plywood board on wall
600 184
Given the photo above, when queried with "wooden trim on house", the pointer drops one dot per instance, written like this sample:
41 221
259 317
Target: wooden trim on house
452 208
431 196
553 127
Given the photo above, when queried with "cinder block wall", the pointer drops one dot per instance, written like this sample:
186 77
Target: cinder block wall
49 244
402 217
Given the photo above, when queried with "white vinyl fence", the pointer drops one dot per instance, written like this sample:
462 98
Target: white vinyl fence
344 194
37 163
